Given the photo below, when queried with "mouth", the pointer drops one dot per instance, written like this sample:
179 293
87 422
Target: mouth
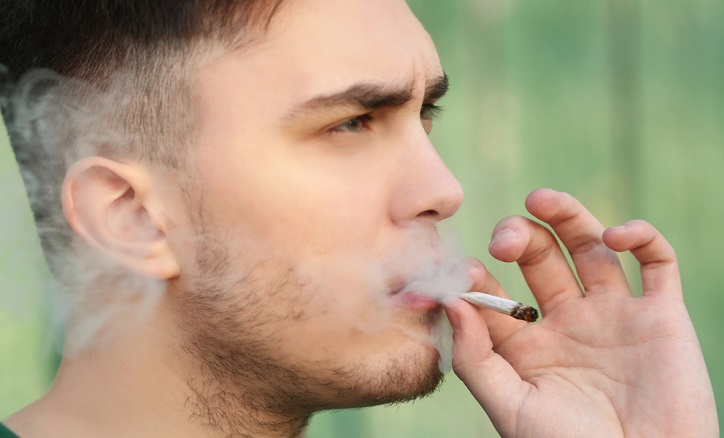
410 300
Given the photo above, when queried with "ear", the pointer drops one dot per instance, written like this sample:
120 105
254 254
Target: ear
111 206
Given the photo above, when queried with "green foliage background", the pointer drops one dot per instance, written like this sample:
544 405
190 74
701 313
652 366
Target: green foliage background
619 102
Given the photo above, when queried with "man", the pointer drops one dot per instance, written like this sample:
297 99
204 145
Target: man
248 194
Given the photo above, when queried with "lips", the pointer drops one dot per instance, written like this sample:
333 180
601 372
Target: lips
412 301
409 299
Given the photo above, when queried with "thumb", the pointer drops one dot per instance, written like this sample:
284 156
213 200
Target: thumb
490 378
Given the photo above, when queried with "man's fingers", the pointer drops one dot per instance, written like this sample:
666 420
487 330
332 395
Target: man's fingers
492 381
501 326
540 258
659 267
580 232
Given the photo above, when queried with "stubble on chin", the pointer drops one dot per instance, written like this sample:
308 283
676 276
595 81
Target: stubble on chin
401 379
238 369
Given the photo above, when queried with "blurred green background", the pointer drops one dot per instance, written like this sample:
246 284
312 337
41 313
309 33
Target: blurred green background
619 102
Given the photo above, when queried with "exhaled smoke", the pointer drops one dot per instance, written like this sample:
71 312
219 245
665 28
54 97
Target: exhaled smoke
53 122
445 279
23 278
5 89
429 269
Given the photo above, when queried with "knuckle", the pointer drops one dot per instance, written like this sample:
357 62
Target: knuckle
584 244
541 244
567 216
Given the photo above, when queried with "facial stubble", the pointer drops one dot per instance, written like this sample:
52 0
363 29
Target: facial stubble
229 318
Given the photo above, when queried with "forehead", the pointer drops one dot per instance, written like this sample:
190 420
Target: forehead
313 46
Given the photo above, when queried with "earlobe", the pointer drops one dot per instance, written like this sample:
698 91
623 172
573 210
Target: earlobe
112 207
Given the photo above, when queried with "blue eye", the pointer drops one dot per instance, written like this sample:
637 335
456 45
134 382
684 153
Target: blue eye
355 124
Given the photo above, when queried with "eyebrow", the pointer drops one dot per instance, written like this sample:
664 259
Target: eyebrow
371 97
437 88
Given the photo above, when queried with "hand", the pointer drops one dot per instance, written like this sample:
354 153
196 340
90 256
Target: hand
601 363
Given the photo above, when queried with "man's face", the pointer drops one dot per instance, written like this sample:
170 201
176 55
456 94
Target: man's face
315 202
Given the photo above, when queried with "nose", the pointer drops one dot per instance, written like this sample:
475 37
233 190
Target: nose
426 189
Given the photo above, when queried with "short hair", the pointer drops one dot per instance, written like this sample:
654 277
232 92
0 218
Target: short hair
114 74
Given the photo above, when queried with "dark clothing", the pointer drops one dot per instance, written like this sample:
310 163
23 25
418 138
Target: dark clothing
6 433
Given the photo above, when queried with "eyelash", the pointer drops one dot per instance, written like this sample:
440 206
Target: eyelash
429 111
434 111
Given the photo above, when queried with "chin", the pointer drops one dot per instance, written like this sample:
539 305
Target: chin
415 379
408 375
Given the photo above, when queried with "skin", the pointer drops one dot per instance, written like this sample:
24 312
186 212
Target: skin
603 363
280 247
293 225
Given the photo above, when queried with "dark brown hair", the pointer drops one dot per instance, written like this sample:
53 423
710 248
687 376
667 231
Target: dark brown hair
113 77
82 38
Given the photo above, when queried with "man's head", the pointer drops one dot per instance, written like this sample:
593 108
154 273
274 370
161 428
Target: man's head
302 216
121 70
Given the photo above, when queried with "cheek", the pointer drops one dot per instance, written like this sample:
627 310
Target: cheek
298 210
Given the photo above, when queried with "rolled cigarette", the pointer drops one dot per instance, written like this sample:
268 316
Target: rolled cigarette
509 307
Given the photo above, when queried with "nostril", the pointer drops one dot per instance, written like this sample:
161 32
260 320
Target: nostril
428 213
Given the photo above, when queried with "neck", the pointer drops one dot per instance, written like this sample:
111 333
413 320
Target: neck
142 382
234 411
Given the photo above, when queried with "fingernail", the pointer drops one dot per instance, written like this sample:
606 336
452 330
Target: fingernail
454 319
502 235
